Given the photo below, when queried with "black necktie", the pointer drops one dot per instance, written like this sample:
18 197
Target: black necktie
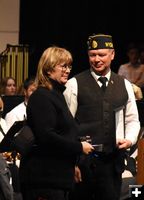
103 80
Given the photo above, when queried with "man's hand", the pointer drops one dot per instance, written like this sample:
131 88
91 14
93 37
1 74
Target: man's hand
124 143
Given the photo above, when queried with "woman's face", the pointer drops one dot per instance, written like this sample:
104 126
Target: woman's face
60 73
10 87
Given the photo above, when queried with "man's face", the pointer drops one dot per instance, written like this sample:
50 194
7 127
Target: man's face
100 60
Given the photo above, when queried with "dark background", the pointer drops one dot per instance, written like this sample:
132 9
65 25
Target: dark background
69 23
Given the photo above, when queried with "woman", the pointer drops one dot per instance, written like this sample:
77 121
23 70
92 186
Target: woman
47 173
8 86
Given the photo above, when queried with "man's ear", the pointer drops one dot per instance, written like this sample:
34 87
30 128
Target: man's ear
113 54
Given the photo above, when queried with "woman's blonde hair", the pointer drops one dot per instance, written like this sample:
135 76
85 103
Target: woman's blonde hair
51 57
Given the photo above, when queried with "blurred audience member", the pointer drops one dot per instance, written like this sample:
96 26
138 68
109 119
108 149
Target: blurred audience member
11 159
8 86
18 113
141 57
138 92
3 127
129 175
133 70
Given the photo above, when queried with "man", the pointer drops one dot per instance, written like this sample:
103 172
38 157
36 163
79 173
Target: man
107 116
18 113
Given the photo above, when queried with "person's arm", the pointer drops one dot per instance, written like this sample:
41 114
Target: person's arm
42 117
70 95
18 113
131 116
137 92
120 70
132 123
10 118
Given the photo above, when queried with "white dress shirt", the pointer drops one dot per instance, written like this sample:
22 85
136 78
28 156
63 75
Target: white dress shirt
18 113
4 128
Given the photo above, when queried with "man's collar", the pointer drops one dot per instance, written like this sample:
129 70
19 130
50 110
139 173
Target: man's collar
97 76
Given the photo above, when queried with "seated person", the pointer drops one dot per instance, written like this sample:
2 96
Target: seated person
129 175
133 70
18 113
3 127
9 160
8 86
138 92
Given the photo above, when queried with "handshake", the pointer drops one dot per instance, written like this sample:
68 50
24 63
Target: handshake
97 147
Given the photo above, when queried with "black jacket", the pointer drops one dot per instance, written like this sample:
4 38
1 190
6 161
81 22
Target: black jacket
52 163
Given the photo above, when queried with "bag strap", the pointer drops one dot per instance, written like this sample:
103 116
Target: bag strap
2 131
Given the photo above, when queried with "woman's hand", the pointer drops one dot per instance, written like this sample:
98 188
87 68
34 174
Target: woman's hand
78 177
87 147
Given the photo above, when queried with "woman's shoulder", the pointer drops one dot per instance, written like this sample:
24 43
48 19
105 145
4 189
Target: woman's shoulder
39 95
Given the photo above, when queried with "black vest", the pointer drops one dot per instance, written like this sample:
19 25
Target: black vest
96 110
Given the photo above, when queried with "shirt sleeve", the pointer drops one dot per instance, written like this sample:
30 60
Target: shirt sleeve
18 113
70 95
10 118
121 70
132 123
